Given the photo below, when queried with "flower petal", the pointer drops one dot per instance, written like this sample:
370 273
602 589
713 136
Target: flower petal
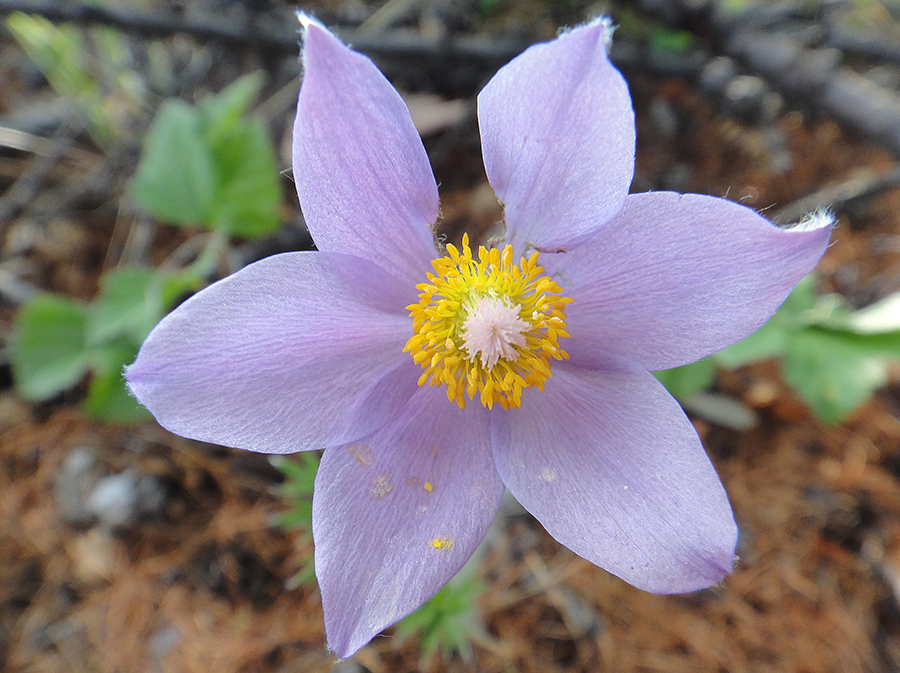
609 464
397 514
298 351
364 181
557 132
674 278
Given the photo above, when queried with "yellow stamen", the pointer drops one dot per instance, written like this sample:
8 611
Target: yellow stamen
487 327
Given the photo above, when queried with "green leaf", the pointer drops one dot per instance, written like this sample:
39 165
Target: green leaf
48 346
174 286
769 341
248 186
300 477
300 472
488 7
886 344
210 167
128 306
108 398
670 41
803 298
224 111
297 489
832 373
448 621
688 380
176 178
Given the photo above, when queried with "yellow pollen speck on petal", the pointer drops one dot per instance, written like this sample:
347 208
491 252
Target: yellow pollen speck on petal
382 486
429 486
486 327
441 543
362 454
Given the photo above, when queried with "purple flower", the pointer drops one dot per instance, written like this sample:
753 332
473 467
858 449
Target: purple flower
435 380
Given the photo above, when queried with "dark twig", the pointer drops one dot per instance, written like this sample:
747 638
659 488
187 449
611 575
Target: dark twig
860 186
32 178
861 44
811 77
394 44
398 52
154 25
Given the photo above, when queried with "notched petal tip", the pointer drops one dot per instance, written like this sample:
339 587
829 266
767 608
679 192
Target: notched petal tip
307 20
605 24
819 219
557 131
310 28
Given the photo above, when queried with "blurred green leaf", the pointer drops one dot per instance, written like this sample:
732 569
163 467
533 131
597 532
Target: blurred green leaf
108 398
803 297
832 356
769 341
56 341
175 285
300 475
209 166
886 344
248 186
488 7
447 622
48 348
128 306
175 179
688 380
223 113
669 41
832 373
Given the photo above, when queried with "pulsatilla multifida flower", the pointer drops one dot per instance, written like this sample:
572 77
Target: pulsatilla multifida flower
436 378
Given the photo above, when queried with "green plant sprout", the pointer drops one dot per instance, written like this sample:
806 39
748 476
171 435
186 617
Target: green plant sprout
299 477
449 622
832 356
98 77
207 166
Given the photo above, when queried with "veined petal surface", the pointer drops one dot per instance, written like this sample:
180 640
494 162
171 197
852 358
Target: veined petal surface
398 513
673 278
365 184
297 351
608 463
557 133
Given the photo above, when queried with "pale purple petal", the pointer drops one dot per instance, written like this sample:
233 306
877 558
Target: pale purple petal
608 463
674 278
557 132
298 351
397 514
364 181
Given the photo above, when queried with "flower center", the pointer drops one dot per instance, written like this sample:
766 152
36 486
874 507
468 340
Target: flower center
487 326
